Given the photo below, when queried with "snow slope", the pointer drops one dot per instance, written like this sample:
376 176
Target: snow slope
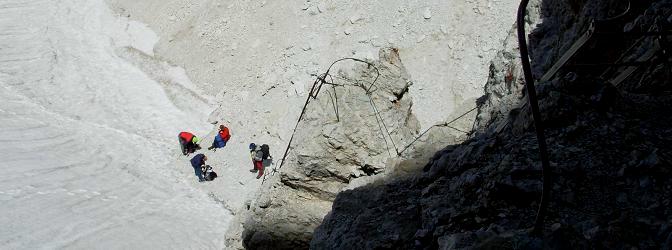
89 155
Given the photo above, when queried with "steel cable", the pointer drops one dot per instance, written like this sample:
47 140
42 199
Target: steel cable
536 115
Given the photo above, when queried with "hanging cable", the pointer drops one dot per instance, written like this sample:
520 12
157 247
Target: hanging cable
446 124
536 115
387 131
314 91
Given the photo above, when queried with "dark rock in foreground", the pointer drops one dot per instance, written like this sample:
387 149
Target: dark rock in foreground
610 151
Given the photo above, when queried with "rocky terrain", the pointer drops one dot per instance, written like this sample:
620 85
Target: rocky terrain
609 149
416 131
232 47
334 150
255 61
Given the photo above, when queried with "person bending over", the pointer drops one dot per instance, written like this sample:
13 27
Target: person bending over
188 143
197 162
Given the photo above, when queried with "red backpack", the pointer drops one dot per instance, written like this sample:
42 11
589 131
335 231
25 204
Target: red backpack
224 133
186 136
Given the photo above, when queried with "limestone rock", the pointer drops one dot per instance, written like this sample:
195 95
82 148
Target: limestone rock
332 150
611 182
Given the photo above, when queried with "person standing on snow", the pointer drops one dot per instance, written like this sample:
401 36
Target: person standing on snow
259 154
188 142
221 139
197 162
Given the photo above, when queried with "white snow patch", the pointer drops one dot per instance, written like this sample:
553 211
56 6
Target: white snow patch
89 155
137 35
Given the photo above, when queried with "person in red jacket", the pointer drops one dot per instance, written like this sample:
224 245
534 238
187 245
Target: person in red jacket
188 142
221 139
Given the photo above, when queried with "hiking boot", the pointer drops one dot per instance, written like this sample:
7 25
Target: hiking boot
253 170
258 176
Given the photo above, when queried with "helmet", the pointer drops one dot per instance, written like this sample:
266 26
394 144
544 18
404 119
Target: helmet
195 139
253 146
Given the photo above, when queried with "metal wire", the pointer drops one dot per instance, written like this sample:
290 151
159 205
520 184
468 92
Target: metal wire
445 124
385 132
315 92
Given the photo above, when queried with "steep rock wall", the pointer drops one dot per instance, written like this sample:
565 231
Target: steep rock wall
333 152
611 182
554 26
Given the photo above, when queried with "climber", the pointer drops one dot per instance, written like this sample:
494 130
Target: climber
221 139
188 142
197 163
259 154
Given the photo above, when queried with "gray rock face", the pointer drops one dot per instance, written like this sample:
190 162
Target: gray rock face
553 27
342 142
504 89
610 154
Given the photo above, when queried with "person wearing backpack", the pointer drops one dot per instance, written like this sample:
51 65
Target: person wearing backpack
259 154
197 163
221 139
188 143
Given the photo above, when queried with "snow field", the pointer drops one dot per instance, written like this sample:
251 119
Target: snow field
88 157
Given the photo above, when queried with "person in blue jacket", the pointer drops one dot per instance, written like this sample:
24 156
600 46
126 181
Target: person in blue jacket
197 162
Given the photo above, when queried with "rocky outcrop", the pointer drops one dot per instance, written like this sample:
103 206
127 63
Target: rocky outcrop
345 140
610 176
610 154
504 89
555 25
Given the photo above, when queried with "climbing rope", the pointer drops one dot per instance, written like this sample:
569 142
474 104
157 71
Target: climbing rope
536 115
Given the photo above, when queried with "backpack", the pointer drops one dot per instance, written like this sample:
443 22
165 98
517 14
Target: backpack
266 151
210 176
225 134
